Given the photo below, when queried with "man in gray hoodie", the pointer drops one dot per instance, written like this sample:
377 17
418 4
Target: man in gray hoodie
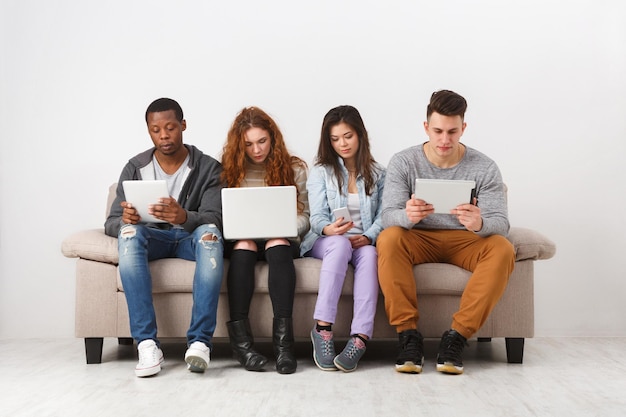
472 236
189 227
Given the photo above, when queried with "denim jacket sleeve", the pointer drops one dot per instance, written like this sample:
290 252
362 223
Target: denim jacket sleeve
317 186
375 207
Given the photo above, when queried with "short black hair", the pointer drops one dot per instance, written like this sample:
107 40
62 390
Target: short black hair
446 103
165 104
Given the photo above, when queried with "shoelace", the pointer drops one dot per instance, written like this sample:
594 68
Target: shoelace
148 354
353 350
410 346
453 346
327 345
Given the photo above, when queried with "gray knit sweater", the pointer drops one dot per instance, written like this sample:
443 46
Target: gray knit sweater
412 163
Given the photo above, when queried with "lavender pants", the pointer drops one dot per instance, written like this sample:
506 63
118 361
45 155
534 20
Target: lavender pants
336 252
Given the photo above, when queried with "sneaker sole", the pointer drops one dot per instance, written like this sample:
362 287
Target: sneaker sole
196 363
322 367
448 368
410 368
343 368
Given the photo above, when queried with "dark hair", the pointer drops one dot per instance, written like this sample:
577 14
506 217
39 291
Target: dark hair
446 103
165 104
326 155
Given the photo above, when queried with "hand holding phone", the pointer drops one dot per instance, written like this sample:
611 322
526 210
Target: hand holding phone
342 212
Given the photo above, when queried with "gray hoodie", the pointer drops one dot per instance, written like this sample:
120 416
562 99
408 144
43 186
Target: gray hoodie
200 195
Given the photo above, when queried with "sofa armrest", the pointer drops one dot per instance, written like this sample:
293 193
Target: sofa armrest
91 244
530 244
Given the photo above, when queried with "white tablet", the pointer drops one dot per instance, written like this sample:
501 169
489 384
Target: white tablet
444 195
141 194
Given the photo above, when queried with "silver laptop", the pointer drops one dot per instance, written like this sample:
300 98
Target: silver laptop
260 212
444 195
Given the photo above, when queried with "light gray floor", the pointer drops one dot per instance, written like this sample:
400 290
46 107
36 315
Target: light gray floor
559 377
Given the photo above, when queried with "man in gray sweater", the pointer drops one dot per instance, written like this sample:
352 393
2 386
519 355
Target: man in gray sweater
472 236
190 228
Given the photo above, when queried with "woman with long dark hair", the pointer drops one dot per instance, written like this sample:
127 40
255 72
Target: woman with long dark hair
345 177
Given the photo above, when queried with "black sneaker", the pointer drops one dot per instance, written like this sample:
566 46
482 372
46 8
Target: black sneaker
410 352
449 359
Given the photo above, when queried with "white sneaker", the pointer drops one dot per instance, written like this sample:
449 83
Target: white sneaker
150 359
197 357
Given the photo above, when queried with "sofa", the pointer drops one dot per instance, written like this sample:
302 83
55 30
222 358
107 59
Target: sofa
101 309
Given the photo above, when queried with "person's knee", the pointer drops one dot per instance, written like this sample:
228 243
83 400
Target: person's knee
130 239
502 246
279 254
208 235
276 242
130 231
369 252
503 250
245 245
210 245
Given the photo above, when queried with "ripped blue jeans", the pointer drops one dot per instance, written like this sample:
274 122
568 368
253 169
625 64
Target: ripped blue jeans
139 245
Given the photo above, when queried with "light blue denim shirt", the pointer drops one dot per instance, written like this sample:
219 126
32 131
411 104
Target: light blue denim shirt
324 197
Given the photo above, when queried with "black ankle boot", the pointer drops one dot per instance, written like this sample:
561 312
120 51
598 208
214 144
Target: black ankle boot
242 344
283 346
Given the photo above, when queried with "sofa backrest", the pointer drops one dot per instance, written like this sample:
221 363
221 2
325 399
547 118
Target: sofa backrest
110 199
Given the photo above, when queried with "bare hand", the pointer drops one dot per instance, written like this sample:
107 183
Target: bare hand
469 216
358 241
129 214
337 228
417 210
168 210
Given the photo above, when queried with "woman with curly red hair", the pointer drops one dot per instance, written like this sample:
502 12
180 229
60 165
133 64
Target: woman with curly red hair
255 155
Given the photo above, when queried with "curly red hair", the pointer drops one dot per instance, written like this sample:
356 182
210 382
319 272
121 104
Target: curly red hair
278 164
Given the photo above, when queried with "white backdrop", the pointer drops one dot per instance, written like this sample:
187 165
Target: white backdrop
544 81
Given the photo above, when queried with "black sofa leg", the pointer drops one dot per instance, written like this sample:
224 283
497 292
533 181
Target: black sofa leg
93 349
125 341
514 349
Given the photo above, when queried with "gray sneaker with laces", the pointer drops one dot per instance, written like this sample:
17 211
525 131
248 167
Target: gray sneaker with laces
323 349
348 359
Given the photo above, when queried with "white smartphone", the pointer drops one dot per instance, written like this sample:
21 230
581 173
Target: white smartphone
342 212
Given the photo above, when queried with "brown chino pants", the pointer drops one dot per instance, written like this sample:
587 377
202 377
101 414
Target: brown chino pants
490 259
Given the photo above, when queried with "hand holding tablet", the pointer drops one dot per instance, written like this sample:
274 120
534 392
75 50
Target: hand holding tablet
142 194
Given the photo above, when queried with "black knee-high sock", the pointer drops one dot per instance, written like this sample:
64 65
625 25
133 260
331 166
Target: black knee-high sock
281 279
240 282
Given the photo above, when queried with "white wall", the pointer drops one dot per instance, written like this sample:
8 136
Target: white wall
544 81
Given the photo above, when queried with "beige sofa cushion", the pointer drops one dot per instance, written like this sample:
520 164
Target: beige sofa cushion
94 245
91 244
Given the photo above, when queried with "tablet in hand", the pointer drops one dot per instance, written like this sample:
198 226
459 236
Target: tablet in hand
444 195
142 194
